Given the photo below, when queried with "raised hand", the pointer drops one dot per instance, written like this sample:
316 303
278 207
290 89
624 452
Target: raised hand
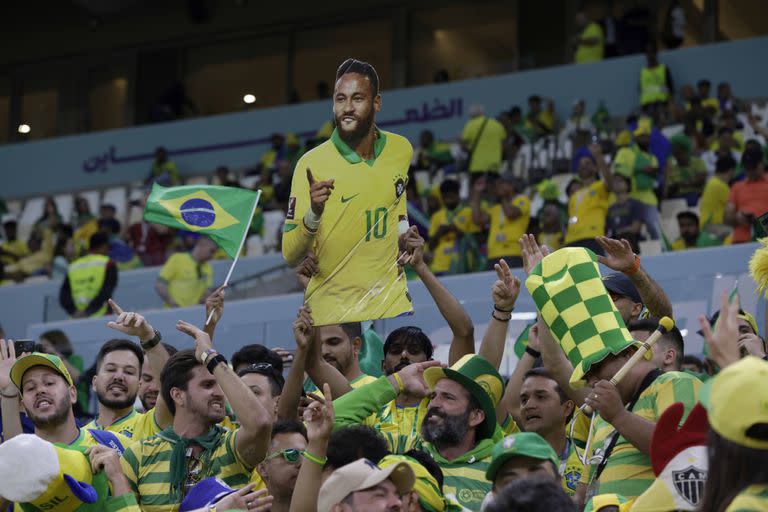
7 358
723 344
412 248
202 340
752 343
303 328
606 400
596 150
413 378
306 269
533 337
246 499
215 302
531 252
619 255
506 289
130 323
319 417
319 192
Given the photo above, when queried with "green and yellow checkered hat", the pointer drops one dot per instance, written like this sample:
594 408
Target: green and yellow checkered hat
572 300
23 364
480 378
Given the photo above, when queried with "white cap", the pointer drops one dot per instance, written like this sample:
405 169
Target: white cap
358 476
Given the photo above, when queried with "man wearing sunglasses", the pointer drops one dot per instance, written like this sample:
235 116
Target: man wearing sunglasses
281 466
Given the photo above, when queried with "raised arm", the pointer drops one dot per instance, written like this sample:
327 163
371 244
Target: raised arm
9 393
214 303
319 418
620 257
603 168
321 372
458 320
133 324
479 216
306 205
288 406
504 293
509 405
252 440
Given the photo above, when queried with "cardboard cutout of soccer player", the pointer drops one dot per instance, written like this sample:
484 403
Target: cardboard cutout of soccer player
348 207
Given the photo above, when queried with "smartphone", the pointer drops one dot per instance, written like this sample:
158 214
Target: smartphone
761 225
22 346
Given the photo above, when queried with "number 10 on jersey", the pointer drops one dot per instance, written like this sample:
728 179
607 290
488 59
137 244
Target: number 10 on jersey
375 223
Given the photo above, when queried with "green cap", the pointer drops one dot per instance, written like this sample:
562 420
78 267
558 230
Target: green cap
23 364
681 141
522 444
480 378
597 503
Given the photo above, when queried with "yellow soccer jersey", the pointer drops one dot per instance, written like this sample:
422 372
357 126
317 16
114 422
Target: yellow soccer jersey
586 211
504 235
356 243
444 251
134 425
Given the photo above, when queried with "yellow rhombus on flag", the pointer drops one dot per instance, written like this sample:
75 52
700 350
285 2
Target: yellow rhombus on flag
572 300
222 213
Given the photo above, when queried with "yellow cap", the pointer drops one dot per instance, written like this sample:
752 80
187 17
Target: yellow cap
737 400
643 127
23 364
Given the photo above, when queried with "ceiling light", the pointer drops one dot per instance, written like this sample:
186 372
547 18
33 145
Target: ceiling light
249 98
24 128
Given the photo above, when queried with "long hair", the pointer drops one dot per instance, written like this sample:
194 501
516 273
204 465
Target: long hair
732 468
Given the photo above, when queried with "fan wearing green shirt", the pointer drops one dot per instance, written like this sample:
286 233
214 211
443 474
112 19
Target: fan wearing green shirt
691 235
686 174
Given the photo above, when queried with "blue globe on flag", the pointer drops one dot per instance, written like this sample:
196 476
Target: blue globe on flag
198 212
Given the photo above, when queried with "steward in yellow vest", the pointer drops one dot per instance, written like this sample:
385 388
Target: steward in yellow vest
90 281
655 80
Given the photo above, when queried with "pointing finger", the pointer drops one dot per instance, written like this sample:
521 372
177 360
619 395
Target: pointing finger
117 309
310 178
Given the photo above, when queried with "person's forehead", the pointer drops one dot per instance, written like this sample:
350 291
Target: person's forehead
744 323
255 379
349 82
199 373
39 372
332 331
120 358
538 383
286 440
451 386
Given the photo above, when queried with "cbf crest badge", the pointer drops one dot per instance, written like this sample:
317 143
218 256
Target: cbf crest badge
400 186
689 483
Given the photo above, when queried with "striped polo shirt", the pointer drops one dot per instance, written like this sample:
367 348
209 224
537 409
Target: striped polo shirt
629 471
147 465
464 476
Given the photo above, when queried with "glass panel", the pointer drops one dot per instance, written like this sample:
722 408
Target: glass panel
40 107
107 95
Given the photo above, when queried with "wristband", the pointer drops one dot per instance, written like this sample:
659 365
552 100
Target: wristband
320 461
497 308
533 353
214 361
399 380
311 220
151 343
635 266
493 314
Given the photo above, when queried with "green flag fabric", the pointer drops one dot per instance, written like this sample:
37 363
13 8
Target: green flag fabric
371 353
522 341
222 213
572 300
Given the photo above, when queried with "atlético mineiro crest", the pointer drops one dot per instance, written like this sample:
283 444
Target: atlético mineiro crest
689 483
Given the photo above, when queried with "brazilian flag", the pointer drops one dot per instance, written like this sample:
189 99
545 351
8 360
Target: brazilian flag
222 213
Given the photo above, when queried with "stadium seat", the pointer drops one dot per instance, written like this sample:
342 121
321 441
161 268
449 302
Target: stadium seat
135 212
92 196
562 181
671 131
65 203
254 246
671 207
250 181
14 206
273 220
650 247
197 180
116 196
671 229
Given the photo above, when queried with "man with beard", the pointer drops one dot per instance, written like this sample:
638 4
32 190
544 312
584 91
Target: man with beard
195 385
119 365
48 394
281 467
347 207
149 387
459 425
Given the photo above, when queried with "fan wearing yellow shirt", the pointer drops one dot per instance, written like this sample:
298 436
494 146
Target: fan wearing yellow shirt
507 221
187 277
48 393
588 204
447 227
483 138
590 42
347 206
119 366
12 249
714 199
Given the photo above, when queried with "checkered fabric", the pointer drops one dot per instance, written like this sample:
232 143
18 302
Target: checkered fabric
571 298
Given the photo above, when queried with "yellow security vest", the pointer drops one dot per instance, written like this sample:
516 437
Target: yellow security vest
653 85
86 277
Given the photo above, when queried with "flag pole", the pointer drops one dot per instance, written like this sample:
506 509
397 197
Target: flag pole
240 248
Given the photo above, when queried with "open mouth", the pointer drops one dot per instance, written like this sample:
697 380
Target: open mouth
117 388
43 403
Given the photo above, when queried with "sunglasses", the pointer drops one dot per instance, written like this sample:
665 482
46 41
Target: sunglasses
289 454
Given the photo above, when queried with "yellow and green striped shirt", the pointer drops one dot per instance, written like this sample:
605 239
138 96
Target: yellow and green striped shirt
147 465
134 425
628 471
752 499
464 477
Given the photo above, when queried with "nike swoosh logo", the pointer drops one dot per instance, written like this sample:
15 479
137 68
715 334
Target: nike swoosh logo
346 199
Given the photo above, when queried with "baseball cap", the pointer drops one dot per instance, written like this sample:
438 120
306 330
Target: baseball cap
360 475
736 400
620 284
643 127
425 485
23 364
599 502
522 444
743 315
206 492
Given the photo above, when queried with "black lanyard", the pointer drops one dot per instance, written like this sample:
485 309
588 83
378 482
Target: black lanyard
647 381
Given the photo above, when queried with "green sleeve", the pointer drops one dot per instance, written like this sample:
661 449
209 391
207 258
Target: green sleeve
76 361
123 503
358 404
